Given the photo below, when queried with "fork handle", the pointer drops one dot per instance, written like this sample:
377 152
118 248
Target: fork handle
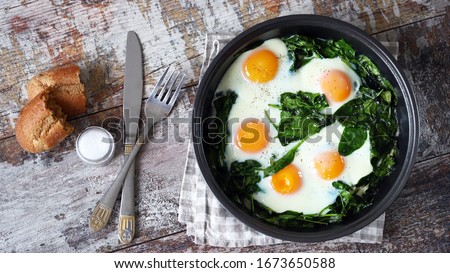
102 212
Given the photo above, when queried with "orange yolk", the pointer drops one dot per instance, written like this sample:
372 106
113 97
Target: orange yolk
252 136
286 181
329 165
336 85
261 66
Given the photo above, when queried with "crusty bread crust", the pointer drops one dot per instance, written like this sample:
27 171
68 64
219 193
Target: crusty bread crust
64 82
41 124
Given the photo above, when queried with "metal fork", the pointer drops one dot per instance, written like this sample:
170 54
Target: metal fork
158 106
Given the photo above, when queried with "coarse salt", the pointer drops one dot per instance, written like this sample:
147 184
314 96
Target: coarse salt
95 145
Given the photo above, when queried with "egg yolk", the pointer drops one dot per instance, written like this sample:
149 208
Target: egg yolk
287 180
252 136
261 66
336 85
329 164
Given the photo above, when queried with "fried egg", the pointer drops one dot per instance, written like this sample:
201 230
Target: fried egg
306 184
331 77
258 77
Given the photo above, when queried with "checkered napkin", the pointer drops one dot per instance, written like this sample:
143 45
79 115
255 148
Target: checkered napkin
208 222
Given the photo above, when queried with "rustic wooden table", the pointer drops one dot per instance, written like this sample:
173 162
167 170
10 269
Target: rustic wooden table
46 199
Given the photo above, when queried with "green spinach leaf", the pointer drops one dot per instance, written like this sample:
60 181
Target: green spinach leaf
371 76
279 164
219 133
339 48
348 201
301 116
303 103
244 177
301 50
352 139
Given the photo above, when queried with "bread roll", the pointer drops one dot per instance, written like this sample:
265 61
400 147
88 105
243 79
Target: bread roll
41 124
64 84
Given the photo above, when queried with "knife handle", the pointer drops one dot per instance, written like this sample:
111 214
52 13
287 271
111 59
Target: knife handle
127 220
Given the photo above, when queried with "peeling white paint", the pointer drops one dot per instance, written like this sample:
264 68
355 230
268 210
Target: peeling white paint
384 16
372 21
12 117
396 9
299 7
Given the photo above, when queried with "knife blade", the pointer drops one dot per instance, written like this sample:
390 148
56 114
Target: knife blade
132 99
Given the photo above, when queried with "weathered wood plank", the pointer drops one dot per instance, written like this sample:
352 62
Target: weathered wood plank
93 35
425 59
416 222
179 242
53 200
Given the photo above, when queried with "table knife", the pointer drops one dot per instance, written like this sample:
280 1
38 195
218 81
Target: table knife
132 99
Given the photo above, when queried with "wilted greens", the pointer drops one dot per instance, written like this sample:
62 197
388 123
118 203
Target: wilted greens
301 116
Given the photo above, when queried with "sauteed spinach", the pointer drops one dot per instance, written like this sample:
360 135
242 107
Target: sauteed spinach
301 116
373 111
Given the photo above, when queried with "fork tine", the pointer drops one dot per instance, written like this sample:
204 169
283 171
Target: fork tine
163 92
177 91
156 88
169 90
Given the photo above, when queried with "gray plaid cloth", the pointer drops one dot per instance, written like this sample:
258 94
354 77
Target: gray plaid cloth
208 222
